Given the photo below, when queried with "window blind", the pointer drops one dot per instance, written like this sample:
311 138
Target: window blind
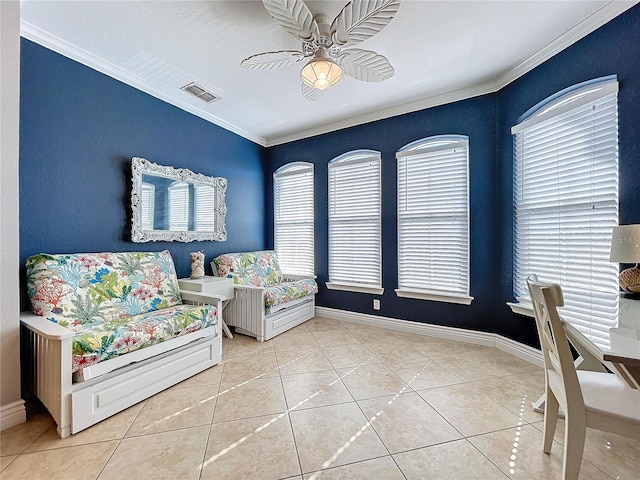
204 207
355 248
566 203
433 215
147 206
293 201
179 206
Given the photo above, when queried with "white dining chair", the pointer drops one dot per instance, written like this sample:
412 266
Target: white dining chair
589 399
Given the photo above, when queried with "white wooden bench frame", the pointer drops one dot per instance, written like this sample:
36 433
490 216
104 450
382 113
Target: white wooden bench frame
113 385
246 312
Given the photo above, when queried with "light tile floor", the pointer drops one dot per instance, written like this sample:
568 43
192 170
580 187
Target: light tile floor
327 400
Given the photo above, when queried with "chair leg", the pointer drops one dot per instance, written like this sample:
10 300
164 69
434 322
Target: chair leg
551 408
575 430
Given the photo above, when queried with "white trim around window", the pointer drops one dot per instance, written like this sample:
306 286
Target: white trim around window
355 231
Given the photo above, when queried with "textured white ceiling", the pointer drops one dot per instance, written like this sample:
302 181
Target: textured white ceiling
441 51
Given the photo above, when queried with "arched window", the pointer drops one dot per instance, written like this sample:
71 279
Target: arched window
355 247
293 218
566 200
433 219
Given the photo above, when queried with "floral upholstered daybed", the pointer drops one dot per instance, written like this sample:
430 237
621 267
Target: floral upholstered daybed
110 329
266 302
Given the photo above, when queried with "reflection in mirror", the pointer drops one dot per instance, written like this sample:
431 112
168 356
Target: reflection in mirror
176 204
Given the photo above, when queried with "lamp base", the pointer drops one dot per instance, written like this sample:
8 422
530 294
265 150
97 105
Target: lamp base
630 280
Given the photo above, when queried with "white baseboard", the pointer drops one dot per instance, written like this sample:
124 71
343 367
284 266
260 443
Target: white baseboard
517 349
12 414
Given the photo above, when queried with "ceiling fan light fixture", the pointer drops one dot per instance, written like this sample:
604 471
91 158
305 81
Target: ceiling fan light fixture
321 73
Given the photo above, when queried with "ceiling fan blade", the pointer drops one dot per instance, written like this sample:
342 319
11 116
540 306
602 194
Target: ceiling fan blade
272 60
362 19
294 17
365 65
310 93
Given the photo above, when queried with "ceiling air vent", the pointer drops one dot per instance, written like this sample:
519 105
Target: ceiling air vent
199 92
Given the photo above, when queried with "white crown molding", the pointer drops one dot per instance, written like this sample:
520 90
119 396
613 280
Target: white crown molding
37 35
604 14
519 350
12 414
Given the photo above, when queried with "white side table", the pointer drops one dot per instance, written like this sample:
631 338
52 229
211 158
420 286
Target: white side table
220 287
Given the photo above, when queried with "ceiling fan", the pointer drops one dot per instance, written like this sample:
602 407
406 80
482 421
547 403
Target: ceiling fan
325 46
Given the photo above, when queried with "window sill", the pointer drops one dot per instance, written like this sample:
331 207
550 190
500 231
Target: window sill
435 296
354 288
521 309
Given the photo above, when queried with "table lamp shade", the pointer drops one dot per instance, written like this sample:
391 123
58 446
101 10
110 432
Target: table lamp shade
625 248
625 244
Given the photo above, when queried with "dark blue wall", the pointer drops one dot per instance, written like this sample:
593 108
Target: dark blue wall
475 118
79 130
612 49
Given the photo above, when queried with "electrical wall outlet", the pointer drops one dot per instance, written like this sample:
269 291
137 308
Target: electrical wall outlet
376 304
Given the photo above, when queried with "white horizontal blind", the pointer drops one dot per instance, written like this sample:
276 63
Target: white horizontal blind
293 229
147 210
204 207
433 215
355 248
566 204
179 206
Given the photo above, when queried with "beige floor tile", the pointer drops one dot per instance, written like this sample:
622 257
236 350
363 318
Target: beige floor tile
69 463
383 468
112 428
211 376
298 341
527 460
403 354
308 390
615 455
424 374
291 362
370 381
484 364
406 422
470 412
5 461
254 398
333 436
16 439
515 392
324 324
167 455
329 338
260 447
251 365
350 355
453 460
242 344
174 409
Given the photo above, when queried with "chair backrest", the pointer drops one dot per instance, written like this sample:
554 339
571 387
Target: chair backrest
560 370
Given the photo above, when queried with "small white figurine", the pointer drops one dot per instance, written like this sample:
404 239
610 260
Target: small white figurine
197 265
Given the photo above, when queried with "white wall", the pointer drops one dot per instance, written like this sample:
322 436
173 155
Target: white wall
12 409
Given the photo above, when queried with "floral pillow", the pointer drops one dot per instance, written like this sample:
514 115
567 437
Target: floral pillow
90 288
250 268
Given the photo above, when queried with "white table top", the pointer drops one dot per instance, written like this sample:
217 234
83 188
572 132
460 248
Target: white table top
622 343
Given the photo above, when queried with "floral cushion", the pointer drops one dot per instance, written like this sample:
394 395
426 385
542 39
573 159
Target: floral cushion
250 268
287 291
114 302
89 288
102 341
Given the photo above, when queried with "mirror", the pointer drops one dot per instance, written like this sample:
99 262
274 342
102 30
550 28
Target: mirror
175 204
